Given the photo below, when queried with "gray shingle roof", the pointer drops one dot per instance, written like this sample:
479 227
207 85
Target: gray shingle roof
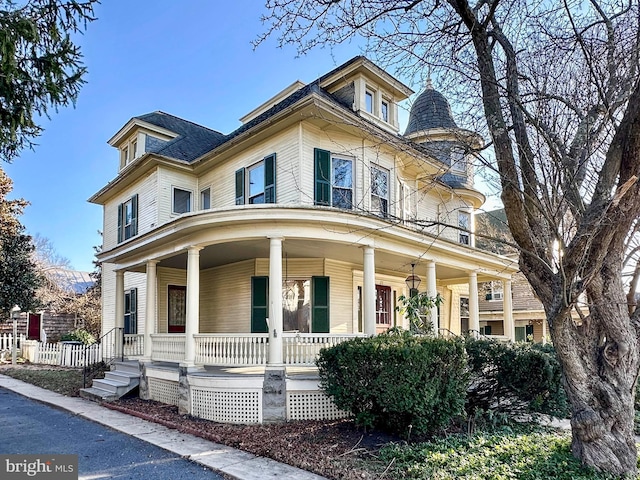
430 110
193 140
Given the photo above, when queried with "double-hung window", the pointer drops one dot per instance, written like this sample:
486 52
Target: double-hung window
384 111
464 223
181 200
257 184
368 101
333 180
379 191
494 290
128 219
205 199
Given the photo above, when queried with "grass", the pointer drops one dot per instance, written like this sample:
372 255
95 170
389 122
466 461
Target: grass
522 452
65 381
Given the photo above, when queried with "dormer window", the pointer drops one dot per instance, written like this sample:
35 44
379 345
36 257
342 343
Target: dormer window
134 149
125 155
368 101
458 160
384 111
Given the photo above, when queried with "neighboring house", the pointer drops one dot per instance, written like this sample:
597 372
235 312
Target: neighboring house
528 312
295 231
47 325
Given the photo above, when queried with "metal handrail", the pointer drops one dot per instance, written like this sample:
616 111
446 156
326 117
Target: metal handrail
113 332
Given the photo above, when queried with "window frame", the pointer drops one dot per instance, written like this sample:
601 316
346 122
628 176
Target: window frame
127 225
458 160
339 188
243 179
208 198
464 232
384 110
495 291
260 167
369 101
175 189
383 209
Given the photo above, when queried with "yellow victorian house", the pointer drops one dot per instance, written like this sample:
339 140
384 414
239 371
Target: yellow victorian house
229 260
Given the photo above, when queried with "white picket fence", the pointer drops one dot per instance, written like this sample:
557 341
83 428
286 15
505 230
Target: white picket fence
6 341
63 354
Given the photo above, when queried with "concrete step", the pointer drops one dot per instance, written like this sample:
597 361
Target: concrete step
130 366
110 385
98 395
123 377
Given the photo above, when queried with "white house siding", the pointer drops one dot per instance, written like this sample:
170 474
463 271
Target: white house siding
139 281
166 277
429 204
340 296
225 298
131 280
221 177
147 191
167 180
108 297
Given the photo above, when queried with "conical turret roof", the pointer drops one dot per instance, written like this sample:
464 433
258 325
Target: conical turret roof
430 110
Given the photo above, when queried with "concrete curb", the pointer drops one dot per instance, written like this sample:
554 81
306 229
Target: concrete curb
222 459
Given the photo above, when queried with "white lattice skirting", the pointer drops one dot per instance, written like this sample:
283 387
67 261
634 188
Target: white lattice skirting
227 406
312 406
164 391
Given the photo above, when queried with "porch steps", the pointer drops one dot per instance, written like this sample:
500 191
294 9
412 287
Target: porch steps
115 384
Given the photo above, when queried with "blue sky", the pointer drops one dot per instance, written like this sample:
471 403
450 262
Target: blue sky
191 58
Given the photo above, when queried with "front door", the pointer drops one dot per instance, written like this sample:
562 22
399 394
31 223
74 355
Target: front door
35 320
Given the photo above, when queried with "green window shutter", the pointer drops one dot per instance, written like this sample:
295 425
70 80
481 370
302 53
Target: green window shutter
259 304
120 228
270 178
528 331
320 305
134 215
322 173
240 186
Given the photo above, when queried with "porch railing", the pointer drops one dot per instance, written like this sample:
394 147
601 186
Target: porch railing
231 349
133 345
167 347
303 348
251 349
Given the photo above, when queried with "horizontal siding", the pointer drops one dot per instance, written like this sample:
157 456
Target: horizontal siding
225 298
294 268
221 177
139 281
166 277
341 297
147 191
167 180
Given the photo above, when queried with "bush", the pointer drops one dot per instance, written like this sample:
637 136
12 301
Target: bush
521 377
79 335
397 382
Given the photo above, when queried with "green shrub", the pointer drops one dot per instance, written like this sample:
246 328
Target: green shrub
521 377
79 335
397 382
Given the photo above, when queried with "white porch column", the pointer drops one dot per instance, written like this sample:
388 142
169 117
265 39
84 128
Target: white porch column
150 307
275 302
369 291
507 311
474 312
119 320
193 305
432 291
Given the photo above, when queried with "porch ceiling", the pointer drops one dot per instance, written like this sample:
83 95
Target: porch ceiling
227 253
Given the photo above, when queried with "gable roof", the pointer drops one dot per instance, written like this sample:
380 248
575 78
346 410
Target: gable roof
71 281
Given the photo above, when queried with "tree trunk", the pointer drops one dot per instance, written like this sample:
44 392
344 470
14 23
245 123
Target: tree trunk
599 358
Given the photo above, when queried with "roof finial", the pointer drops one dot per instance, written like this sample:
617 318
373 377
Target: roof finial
429 85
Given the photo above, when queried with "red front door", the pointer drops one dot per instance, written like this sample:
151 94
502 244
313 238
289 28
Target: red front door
34 326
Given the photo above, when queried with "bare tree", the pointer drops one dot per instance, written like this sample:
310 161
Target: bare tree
556 88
